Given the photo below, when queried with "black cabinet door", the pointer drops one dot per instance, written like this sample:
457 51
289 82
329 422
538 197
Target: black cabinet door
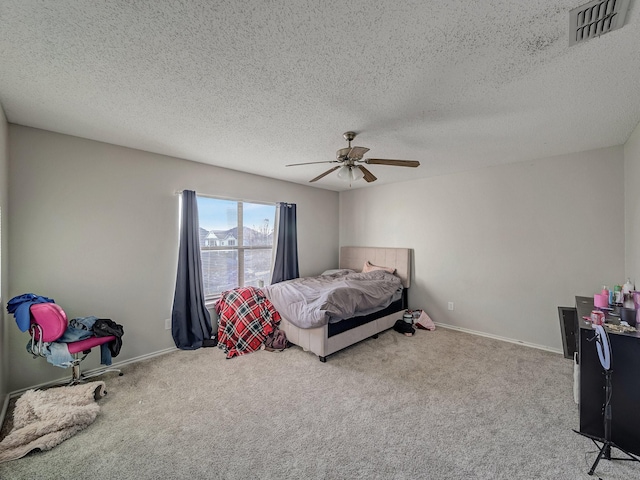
625 391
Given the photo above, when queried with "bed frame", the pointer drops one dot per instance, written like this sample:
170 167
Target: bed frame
319 340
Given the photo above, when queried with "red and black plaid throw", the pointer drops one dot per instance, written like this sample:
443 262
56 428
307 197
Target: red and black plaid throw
246 317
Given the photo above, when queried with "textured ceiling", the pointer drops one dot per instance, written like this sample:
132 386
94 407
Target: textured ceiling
254 85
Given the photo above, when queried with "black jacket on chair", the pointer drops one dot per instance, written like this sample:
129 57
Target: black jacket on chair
105 327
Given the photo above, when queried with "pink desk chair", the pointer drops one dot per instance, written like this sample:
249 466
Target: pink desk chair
48 323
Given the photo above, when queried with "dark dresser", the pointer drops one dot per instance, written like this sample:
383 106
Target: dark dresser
625 379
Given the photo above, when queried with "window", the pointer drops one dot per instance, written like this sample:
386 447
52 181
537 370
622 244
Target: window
236 244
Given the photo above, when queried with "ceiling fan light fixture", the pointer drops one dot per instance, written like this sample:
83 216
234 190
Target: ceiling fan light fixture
356 174
344 173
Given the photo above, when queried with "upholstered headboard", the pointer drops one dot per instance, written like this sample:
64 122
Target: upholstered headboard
398 258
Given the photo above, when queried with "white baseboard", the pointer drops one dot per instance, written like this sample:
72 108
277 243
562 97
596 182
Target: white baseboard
498 337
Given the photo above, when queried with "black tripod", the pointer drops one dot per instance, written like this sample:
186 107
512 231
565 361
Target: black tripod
604 352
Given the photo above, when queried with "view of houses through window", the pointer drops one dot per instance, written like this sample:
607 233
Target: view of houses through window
236 243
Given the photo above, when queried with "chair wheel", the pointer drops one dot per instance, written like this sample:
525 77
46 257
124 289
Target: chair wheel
120 374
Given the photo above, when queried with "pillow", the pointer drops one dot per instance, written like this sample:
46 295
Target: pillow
369 267
336 270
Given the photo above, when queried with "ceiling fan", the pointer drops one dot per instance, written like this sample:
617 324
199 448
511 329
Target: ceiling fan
350 160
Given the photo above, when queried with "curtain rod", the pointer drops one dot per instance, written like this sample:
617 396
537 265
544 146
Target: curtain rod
246 200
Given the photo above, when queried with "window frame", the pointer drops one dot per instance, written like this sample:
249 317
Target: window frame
239 241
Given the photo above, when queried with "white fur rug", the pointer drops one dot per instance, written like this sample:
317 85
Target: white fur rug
43 419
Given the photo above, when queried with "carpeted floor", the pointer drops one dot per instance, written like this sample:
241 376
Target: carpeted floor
439 405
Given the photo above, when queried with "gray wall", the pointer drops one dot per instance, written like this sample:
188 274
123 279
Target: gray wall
507 245
632 206
4 255
95 227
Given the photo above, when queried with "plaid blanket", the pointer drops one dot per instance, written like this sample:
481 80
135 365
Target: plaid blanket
246 317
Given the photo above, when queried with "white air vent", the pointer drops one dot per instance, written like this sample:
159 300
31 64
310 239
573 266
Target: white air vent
596 18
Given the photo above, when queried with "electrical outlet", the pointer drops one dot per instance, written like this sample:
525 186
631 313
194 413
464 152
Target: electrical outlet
450 305
167 324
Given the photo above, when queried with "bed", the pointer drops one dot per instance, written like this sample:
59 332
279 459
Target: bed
329 338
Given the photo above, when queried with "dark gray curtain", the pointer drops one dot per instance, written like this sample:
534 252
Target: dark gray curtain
190 320
286 262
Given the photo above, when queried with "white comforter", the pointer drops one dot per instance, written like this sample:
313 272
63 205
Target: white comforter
314 301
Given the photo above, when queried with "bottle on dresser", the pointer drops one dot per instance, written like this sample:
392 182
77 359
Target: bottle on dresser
627 292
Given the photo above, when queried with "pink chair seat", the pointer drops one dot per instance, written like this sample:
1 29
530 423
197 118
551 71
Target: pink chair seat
53 322
88 343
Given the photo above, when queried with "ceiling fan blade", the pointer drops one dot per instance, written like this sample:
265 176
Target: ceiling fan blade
396 163
356 153
325 173
342 154
368 176
310 163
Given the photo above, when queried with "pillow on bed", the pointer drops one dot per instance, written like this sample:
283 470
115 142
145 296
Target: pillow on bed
336 270
370 267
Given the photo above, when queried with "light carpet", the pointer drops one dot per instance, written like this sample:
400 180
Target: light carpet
438 405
